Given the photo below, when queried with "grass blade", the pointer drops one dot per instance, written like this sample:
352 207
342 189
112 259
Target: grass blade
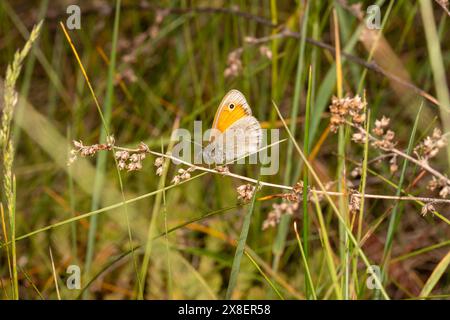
101 160
435 276
240 248
332 204
396 214
328 250
55 277
288 176
306 222
305 262
437 64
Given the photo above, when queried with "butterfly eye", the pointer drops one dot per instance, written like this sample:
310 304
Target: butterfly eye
231 106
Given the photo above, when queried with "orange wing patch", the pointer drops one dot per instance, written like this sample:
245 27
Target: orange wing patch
227 117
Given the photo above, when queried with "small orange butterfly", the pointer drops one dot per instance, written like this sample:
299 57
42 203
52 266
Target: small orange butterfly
235 133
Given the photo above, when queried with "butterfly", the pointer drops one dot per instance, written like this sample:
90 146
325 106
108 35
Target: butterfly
235 133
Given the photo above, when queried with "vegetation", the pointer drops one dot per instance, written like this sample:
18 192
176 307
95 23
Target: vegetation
357 209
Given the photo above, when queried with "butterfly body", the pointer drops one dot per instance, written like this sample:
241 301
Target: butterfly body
235 132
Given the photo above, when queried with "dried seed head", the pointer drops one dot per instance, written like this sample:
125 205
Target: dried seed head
393 164
265 51
176 179
355 204
380 125
122 165
183 174
125 161
428 207
359 137
245 192
278 210
445 191
431 146
138 166
434 183
78 144
234 64
340 108
122 155
186 176
298 187
135 157
159 162
387 142
144 148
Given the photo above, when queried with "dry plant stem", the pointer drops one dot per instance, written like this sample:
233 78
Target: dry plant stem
368 65
280 186
443 6
421 164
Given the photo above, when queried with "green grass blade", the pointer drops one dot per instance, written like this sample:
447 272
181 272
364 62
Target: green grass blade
283 227
396 213
240 248
308 277
437 64
101 159
331 203
152 224
95 212
271 284
328 250
306 220
435 276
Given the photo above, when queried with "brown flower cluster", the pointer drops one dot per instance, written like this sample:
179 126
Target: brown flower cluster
127 159
380 126
346 107
359 137
430 146
266 52
159 165
183 174
84 151
428 207
245 192
387 136
441 185
234 64
393 165
355 202
131 160
278 210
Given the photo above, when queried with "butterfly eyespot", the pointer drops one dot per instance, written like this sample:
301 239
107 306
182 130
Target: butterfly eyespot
231 106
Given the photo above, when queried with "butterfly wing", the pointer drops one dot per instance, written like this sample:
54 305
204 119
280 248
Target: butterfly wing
225 117
242 138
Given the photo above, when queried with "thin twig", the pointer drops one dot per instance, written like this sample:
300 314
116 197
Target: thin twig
285 187
368 65
423 164
443 4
